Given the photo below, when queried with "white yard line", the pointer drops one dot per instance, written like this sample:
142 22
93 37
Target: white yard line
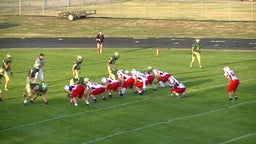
168 122
69 115
238 138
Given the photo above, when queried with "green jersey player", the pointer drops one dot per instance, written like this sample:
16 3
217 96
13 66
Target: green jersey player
77 66
111 65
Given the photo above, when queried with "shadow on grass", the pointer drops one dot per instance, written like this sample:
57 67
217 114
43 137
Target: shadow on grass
198 82
7 25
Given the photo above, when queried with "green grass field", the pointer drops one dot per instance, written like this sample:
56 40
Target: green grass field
205 116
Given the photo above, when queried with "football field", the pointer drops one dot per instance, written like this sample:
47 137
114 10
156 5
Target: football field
205 116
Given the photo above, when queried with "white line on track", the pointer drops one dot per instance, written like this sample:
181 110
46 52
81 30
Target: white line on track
168 122
69 115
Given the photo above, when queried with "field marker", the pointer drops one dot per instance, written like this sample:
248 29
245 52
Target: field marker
69 115
169 121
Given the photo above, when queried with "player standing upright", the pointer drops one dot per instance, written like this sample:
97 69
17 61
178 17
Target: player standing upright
77 66
111 65
196 50
233 82
40 62
3 74
99 42
7 68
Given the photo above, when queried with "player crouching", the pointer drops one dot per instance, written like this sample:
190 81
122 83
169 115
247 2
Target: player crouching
162 77
93 89
35 90
75 90
140 81
111 84
178 88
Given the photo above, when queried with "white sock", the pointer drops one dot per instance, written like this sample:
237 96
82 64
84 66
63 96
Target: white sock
153 86
161 83
169 84
123 90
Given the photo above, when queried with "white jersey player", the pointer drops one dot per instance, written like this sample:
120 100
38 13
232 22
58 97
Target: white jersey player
162 77
126 80
177 87
94 89
140 81
111 84
40 62
233 82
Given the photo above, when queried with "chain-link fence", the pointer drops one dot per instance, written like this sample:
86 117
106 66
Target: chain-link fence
148 9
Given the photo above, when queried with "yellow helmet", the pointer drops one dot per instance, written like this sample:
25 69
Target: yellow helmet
116 54
8 56
36 65
86 80
79 57
150 68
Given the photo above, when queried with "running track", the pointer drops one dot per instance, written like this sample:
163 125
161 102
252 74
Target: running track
207 43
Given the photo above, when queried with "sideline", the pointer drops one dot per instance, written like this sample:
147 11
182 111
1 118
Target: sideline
69 115
168 122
